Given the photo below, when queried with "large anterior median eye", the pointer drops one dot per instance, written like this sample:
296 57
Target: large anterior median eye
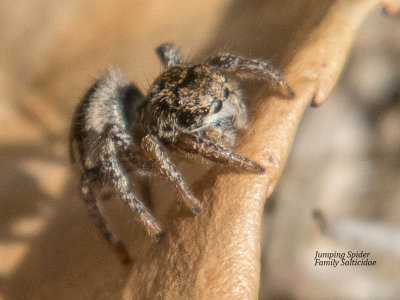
217 106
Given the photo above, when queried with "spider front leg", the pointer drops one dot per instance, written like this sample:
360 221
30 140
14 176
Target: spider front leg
169 55
119 179
214 152
95 212
252 69
153 149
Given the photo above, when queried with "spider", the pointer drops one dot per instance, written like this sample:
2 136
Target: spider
191 108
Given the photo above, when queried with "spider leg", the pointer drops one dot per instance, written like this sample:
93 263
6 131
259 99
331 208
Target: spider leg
154 150
119 179
253 69
215 152
169 55
95 212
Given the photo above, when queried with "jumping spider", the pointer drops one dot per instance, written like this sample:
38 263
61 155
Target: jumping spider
194 108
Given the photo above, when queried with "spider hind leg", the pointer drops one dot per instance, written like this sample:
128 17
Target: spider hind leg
95 212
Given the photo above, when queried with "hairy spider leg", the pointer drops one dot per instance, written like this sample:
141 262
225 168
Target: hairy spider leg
169 55
153 149
252 69
95 212
119 178
214 152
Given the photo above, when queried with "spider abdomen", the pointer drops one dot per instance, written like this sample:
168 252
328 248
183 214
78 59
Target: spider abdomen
111 102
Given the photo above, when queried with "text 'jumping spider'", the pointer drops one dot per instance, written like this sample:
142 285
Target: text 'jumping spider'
194 108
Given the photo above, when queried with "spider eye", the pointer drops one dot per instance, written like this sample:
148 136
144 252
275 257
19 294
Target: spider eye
217 106
226 92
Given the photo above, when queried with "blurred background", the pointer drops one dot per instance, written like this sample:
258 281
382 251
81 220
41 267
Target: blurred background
345 162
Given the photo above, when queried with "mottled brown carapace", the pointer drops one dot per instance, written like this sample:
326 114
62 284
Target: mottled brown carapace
193 108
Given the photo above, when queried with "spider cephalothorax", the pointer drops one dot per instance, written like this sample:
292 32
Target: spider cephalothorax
194 108
194 99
